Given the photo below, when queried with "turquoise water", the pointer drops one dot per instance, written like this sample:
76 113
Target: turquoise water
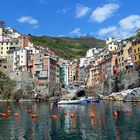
82 127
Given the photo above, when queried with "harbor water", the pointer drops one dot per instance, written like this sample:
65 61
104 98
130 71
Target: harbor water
126 126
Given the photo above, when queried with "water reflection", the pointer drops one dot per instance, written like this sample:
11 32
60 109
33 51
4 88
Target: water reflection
82 127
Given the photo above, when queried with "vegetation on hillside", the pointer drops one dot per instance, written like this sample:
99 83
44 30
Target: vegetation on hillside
6 86
68 48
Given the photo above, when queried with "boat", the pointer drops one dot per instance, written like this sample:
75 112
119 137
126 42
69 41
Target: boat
89 100
69 102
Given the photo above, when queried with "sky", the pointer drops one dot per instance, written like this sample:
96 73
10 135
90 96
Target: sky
73 18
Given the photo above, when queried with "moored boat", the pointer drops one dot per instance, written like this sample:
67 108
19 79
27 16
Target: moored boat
69 102
89 100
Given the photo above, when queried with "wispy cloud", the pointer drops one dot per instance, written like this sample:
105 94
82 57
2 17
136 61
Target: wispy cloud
64 10
81 10
100 14
126 27
131 22
76 31
28 20
107 30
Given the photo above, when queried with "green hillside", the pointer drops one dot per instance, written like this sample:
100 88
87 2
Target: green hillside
68 48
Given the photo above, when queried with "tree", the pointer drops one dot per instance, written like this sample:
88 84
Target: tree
2 24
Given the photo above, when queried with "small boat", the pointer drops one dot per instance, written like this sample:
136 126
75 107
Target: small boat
89 100
69 102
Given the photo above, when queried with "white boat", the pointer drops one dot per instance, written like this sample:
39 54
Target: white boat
69 102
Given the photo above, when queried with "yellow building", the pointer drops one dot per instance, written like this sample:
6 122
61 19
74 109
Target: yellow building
5 46
136 51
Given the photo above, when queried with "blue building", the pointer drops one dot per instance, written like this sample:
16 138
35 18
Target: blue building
64 75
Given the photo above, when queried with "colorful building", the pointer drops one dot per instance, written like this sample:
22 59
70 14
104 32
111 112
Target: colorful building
24 41
112 44
64 74
136 52
20 59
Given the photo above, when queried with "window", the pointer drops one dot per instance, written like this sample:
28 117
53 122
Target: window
135 57
122 64
138 49
122 58
6 43
139 56
21 61
134 50
1 48
7 48
1 52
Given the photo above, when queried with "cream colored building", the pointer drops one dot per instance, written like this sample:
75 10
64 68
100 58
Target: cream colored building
5 46
20 60
112 44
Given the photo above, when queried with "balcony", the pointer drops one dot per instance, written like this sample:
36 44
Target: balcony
38 61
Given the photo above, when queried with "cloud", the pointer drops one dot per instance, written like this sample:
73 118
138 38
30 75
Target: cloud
107 30
100 14
131 22
76 31
125 28
28 20
81 10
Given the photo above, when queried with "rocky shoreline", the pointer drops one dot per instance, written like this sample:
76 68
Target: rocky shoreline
130 95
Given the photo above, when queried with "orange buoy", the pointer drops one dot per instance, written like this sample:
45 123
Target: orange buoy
34 116
54 116
16 115
51 107
3 115
72 115
29 111
93 116
60 107
115 114
65 113
128 110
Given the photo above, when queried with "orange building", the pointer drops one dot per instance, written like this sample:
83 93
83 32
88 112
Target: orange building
136 52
